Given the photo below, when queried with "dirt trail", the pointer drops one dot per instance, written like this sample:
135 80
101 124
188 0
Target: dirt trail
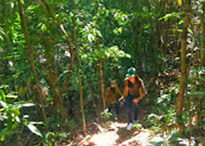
115 134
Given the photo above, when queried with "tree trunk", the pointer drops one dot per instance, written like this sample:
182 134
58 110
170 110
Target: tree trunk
202 53
183 67
102 85
100 66
202 35
50 57
58 23
58 100
78 68
52 77
28 42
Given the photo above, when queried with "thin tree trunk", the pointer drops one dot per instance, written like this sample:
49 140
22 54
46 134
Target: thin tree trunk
102 86
58 100
202 52
100 67
183 67
52 67
190 118
50 57
81 94
28 42
202 34
52 76
58 23
78 69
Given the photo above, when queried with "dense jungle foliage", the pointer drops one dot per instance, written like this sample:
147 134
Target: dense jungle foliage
58 57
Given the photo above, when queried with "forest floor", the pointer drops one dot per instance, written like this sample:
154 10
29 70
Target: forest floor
114 132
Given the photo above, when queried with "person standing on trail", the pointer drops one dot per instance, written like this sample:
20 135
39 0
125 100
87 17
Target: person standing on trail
134 91
112 92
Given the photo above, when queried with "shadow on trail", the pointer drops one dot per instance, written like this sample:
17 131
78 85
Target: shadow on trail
125 134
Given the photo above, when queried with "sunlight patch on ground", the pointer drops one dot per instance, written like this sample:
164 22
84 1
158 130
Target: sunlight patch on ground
108 138
116 134
141 139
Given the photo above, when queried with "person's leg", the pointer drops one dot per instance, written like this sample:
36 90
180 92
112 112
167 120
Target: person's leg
109 108
117 109
128 108
136 111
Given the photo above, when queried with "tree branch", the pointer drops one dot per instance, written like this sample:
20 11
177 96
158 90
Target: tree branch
51 13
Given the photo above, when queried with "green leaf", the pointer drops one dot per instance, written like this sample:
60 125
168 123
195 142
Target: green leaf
43 27
169 97
51 2
159 143
32 7
16 75
128 55
22 1
141 13
101 52
9 121
15 111
38 123
138 126
175 136
3 96
4 104
170 15
27 105
91 37
34 129
6 132
21 104
2 33
120 30
11 96
200 94
12 5
2 138
202 78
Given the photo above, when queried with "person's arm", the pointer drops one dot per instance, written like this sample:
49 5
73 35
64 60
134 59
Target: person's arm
125 92
142 92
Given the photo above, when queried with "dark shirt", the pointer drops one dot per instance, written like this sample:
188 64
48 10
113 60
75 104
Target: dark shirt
134 84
